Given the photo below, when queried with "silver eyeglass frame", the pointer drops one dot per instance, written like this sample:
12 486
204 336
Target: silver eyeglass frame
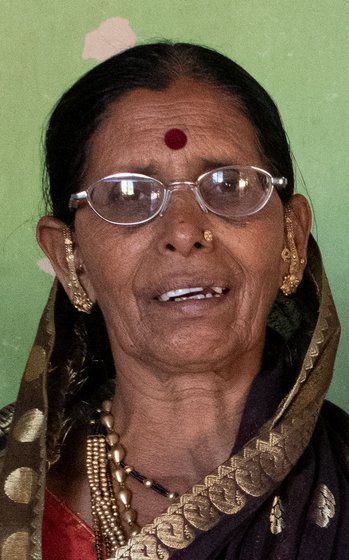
84 196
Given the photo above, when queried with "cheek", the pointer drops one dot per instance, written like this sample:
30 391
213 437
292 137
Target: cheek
110 274
259 263
264 258
267 240
256 248
110 262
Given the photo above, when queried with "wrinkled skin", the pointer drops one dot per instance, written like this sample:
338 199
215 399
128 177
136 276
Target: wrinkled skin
127 268
175 359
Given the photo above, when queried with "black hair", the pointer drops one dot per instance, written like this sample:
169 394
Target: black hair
155 66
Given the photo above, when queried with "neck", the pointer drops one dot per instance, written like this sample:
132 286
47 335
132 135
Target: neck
176 428
179 422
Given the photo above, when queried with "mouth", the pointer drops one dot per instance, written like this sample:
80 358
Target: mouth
199 292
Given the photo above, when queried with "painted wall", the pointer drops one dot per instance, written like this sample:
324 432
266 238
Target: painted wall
298 49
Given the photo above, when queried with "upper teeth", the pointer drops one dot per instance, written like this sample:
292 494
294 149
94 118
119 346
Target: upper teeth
185 293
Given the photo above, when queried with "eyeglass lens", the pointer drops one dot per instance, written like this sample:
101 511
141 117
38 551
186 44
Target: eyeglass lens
234 193
228 192
127 200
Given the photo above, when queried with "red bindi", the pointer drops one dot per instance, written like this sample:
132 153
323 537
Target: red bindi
175 138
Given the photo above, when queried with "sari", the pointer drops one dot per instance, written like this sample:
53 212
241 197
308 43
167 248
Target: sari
282 494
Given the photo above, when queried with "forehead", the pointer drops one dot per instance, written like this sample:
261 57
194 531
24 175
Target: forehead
132 134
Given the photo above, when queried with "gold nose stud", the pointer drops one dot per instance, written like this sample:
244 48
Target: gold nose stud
208 235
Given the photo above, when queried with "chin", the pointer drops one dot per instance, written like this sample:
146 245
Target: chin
205 350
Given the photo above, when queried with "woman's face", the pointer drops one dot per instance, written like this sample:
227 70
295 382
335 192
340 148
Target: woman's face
127 269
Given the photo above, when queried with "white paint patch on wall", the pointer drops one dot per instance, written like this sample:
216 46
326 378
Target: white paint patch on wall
111 37
45 265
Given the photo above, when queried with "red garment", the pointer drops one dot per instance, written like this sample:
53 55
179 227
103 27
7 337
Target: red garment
64 535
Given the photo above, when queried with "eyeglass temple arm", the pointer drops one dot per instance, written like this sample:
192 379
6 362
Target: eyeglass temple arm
279 182
76 198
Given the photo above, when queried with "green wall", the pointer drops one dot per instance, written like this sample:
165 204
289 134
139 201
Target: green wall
297 49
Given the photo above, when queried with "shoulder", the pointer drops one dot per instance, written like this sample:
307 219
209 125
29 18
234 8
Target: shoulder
337 424
338 417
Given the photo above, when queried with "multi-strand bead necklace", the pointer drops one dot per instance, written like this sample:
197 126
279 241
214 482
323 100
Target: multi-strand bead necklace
114 520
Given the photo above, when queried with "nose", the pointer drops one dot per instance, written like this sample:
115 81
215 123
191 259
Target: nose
183 226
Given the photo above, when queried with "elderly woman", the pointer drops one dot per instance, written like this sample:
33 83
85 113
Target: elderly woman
171 406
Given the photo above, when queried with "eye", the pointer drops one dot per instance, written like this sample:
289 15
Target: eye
227 186
228 182
120 192
129 190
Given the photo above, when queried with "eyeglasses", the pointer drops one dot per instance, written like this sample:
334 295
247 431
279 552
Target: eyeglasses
128 199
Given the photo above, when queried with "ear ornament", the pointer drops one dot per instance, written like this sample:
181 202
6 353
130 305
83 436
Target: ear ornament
79 297
289 254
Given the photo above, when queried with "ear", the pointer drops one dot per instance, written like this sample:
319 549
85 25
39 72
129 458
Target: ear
49 235
301 221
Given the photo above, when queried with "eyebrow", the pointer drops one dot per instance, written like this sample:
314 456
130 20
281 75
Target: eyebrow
153 168
150 169
215 163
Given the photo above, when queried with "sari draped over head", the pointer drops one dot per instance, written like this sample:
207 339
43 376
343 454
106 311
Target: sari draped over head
282 494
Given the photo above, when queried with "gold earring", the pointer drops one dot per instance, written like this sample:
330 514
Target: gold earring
291 281
80 299
208 235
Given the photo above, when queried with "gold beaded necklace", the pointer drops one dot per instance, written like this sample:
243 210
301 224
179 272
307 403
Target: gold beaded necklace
112 514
